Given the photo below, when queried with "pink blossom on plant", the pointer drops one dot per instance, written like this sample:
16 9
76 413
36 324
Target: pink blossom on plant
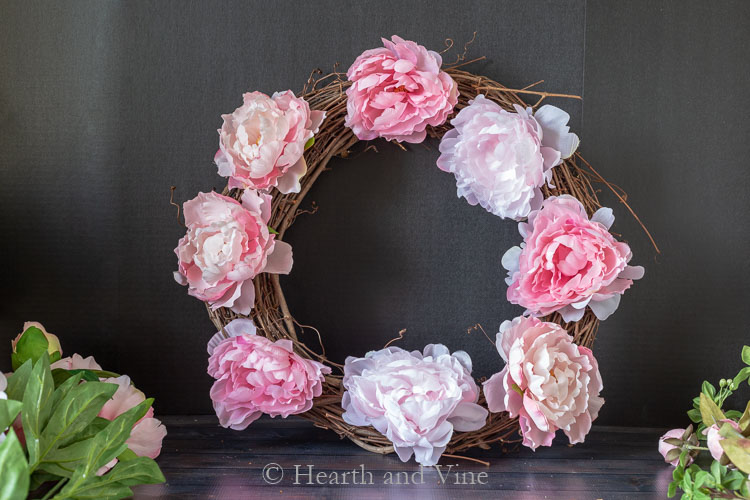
502 159
415 399
227 245
256 376
568 262
665 448
76 362
548 382
261 144
147 434
714 439
397 91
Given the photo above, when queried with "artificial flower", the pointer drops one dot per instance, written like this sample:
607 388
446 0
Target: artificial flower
76 362
261 143
396 91
665 448
416 399
227 245
256 376
714 439
548 382
568 262
502 159
54 342
147 434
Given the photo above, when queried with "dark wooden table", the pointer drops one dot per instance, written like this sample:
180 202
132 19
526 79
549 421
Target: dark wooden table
202 460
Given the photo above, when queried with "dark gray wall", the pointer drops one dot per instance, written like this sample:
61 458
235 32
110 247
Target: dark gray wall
104 105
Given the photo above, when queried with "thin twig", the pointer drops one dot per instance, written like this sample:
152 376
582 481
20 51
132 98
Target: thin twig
171 202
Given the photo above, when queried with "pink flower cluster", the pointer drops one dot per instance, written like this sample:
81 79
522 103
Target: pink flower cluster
415 399
256 376
397 91
227 245
261 143
568 262
548 382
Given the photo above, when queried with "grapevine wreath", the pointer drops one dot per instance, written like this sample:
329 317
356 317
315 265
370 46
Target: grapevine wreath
516 161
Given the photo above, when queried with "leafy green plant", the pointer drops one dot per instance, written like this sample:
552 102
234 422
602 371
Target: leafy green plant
66 442
728 476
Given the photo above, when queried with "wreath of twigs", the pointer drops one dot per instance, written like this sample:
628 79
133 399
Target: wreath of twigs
271 313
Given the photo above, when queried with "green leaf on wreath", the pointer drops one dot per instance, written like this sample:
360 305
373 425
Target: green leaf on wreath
309 143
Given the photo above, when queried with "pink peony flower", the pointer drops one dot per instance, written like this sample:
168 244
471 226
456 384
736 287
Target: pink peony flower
414 399
501 159
548 382
261 143
255 376
227 244
147 434
398 90
665 448
713 439
54 342
76 362
568 262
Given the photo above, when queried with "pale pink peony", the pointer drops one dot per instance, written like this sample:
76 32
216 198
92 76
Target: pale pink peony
714 439
568 262
147 434
398 90
415 399
548 382
665 448
501 159
227 244
255 376
54 342
261 143
76 362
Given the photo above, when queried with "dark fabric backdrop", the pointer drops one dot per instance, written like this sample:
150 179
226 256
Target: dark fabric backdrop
104 105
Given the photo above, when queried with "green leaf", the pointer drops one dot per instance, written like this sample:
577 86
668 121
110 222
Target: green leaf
672 491
708 389
716 471
272 230
74 413
39 478
127 455
18 381
746 355
309 143
60 375
106 445
710 413
738 451
14 472
9 410
31 346
695 415
36 407
116 482
741 377
745 418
